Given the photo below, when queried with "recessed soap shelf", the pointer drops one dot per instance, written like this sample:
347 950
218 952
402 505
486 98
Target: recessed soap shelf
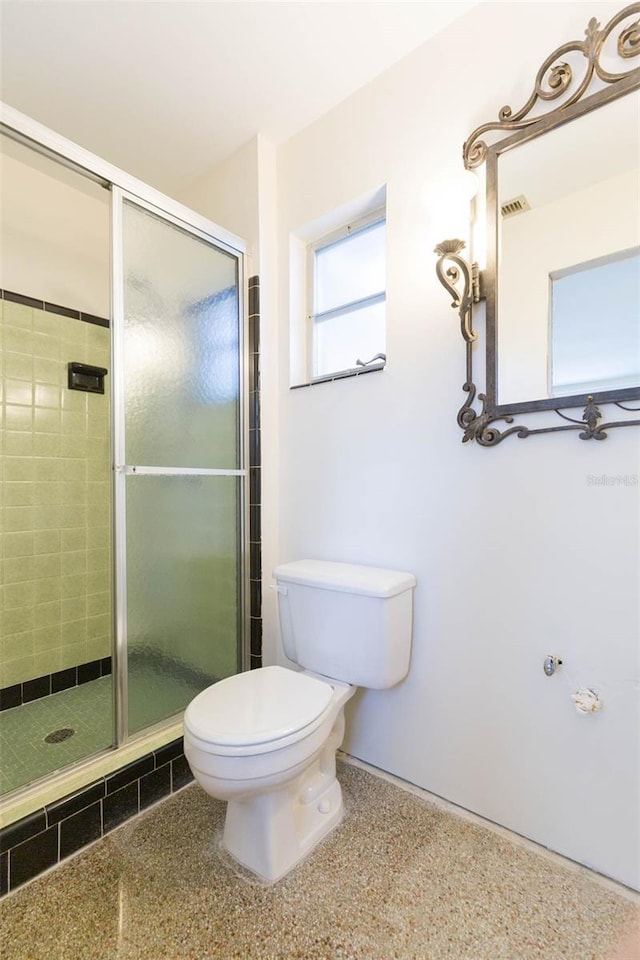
83 376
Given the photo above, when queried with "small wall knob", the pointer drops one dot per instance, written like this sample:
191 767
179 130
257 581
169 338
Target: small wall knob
551 664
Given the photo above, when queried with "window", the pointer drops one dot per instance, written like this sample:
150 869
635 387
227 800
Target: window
594 339
347 293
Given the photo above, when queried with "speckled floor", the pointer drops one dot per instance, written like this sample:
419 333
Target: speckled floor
400 878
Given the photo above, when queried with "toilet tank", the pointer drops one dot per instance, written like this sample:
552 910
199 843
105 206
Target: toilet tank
346 622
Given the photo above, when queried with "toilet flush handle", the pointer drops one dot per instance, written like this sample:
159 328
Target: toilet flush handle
279 589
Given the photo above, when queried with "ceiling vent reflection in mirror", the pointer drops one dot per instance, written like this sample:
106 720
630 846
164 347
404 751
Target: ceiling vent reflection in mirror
517 205
567 163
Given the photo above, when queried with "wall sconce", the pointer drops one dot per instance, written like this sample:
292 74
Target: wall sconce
462 280
449 202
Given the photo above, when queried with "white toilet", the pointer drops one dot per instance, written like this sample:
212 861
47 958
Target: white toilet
266 740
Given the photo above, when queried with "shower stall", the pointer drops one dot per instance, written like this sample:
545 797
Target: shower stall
124 459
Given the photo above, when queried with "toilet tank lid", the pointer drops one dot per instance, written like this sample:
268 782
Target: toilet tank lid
345 577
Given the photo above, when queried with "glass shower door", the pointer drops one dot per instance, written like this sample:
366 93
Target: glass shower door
179 465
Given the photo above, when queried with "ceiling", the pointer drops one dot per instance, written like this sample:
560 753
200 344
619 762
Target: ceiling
166 90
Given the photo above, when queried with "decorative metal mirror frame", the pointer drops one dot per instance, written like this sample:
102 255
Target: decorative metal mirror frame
468 286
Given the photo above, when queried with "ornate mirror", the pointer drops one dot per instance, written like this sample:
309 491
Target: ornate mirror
562 277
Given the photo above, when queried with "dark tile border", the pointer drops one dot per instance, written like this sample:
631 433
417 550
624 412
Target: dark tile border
21 298
155 785
4 874
36 689
255 484
56 831
80 829
133 771
117 808
63 809
32 857
54 308
181 773
44 686
16 833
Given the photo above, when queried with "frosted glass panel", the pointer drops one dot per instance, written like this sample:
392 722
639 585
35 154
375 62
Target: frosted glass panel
342 339
182 590
351 269
181 338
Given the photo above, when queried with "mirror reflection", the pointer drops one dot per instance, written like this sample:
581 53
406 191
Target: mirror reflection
568 297
594 341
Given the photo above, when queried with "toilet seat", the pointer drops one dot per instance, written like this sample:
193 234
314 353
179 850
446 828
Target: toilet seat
258 711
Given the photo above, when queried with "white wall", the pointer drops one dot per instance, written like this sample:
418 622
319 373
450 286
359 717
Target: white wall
228 195
516 552
55 232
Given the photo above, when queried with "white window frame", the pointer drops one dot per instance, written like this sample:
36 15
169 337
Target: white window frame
379 215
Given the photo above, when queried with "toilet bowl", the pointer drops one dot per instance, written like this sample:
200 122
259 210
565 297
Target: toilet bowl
265 741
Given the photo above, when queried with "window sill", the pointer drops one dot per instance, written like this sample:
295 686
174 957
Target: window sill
340 375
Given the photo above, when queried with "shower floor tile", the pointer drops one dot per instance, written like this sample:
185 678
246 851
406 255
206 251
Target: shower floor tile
24 753
87 709
399 879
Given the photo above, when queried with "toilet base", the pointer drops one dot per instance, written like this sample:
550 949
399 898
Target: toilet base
271 832
285 802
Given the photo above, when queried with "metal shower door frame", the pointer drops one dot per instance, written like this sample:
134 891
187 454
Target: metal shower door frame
123 187
122 469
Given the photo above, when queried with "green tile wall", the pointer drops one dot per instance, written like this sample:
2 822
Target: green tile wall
56 593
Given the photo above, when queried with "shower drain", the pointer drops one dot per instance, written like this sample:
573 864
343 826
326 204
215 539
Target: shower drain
57 736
